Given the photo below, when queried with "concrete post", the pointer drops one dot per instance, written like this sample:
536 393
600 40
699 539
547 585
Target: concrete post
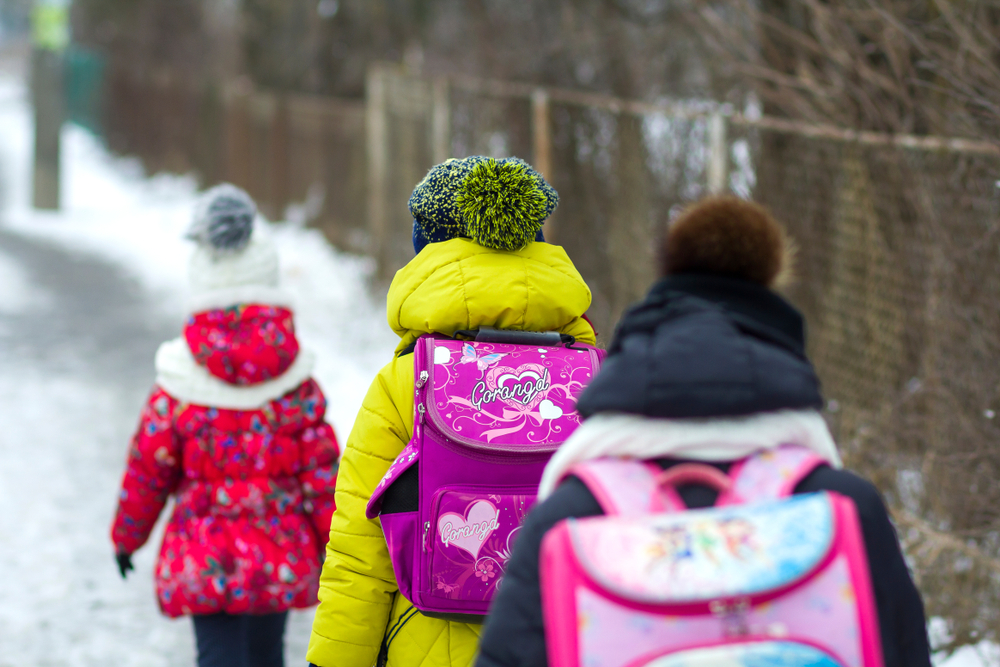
50 33
49 106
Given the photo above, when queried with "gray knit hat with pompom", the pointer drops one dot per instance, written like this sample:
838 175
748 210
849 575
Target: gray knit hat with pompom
224 219
233 252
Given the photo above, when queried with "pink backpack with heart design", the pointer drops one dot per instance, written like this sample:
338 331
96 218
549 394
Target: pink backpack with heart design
489 413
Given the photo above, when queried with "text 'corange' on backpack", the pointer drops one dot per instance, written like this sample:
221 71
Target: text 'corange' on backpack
489 413
763 579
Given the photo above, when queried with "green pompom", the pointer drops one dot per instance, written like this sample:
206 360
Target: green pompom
502 203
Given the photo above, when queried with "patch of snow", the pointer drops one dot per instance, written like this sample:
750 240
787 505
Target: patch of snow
983 654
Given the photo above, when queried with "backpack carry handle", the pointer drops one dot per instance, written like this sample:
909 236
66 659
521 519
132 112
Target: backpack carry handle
512 337
694 473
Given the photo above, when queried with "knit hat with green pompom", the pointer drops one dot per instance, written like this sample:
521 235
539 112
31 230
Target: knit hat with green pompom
498 203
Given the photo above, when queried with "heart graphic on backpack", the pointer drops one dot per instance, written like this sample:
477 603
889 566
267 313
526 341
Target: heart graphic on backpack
471 531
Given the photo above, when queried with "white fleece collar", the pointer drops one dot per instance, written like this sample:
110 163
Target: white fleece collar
226 297
180 375
633 436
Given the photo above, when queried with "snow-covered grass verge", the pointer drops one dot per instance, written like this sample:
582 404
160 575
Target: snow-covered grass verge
983 654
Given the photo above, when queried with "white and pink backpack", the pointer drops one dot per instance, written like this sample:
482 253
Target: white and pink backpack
763 579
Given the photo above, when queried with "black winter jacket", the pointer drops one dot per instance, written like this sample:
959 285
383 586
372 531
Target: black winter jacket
704 346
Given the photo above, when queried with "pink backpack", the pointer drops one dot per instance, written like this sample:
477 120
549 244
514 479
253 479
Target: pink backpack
763 579
489 414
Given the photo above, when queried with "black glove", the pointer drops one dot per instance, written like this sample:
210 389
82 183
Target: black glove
124 564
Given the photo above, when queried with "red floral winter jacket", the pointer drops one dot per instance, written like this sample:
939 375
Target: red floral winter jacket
253 487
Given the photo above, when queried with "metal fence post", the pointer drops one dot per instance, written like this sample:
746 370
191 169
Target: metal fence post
718 154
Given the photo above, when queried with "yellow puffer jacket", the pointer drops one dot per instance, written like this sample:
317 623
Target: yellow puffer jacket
449 286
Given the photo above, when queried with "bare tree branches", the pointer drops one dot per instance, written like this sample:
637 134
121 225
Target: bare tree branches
887 65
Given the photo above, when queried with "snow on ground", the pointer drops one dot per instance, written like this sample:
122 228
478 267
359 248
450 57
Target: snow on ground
85 296
983 654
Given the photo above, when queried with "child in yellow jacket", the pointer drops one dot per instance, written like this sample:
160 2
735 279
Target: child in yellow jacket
481 262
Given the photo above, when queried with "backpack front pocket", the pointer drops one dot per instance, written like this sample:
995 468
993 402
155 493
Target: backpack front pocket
469 537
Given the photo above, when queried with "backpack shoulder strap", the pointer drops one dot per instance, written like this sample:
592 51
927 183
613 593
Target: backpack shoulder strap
626 487
770 474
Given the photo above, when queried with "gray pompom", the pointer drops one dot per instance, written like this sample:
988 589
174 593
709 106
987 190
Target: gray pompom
224 219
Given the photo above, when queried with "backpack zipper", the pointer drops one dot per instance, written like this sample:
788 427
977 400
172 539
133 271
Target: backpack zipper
427 529
422 379
420 411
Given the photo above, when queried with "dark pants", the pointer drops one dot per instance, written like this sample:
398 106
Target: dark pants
226 640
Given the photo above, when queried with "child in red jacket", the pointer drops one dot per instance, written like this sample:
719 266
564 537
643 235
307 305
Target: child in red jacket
235 431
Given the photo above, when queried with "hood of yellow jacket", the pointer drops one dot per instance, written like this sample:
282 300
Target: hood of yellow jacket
459 284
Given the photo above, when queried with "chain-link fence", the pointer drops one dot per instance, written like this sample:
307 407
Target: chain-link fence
899 281
897 265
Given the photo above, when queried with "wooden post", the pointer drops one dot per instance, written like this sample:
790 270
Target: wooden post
278 159
377 131
541 140
440 121
263 107
238 130
718 154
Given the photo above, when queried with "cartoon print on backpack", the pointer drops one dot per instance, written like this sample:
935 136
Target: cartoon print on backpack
526 394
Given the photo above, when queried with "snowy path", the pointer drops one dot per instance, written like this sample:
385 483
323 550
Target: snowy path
86 296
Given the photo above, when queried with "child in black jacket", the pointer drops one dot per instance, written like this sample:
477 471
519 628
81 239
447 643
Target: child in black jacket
711 353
